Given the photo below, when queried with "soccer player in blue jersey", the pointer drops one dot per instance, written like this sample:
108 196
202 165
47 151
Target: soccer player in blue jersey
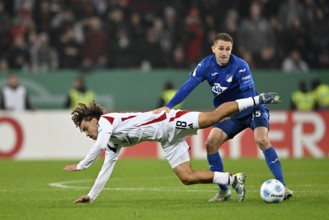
230 78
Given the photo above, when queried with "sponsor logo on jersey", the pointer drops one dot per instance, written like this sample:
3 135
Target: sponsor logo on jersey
242 70
214 74
218 89
246 77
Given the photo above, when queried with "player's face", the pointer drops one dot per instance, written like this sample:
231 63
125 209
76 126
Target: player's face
222 50
90 128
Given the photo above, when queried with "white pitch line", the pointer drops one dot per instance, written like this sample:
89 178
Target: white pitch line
64 185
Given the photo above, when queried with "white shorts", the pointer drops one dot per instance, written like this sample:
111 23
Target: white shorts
177 153
182 124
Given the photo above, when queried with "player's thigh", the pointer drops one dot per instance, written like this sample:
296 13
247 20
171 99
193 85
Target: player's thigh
176 153
260 124
229 128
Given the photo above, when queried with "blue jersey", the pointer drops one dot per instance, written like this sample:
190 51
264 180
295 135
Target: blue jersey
227 83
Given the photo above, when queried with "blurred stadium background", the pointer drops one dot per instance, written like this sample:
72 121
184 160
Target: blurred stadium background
126 50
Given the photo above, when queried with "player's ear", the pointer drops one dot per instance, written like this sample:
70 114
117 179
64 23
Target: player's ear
213 48
94 120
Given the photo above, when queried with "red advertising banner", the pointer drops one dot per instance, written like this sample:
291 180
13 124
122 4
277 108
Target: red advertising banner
292 133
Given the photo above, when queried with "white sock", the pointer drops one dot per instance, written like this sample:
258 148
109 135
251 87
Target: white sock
223 178
247 102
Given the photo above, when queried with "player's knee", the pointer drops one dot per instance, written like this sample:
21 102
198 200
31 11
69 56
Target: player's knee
187 179
262 142
211 147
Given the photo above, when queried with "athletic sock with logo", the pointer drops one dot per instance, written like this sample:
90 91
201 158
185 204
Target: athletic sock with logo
273 162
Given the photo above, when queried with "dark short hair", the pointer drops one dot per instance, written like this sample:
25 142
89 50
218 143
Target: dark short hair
223 37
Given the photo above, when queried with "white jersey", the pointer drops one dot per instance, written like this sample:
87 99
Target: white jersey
117 130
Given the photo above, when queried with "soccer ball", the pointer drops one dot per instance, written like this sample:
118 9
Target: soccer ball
272 191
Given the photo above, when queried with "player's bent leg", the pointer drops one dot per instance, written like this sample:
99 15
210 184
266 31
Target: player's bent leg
188 176
207 119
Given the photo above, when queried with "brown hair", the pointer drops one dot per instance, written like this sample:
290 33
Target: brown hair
84 112
224 37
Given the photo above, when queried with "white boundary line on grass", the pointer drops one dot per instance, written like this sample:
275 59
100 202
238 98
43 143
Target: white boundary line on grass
183 188
64 185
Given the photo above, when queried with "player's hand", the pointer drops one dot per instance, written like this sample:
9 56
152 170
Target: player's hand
70 168
82 199
158 110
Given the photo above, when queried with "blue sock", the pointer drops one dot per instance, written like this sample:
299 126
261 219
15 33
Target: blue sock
216 164
273 163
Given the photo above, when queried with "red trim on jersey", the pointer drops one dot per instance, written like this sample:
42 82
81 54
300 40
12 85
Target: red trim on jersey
178 114
132 116
110 119
161 118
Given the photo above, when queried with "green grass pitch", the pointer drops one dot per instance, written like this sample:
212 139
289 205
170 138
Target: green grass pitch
148 189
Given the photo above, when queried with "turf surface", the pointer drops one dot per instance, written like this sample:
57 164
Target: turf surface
148 189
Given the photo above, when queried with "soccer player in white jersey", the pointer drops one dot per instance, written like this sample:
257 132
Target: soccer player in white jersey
113 131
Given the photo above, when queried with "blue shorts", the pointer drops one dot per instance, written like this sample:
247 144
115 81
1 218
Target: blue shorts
236 124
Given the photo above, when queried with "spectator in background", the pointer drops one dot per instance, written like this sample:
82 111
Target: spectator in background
115 20
321 94
255 32
152 53
288 11
267 58
95 45
137 29
3 65
319 34
79 94
195 32
14 96
69 50
164 37
123 53
168 92
43 15
173 26
302 99
294 63
296 37
5 22
178 59
44 57
185 23
18 55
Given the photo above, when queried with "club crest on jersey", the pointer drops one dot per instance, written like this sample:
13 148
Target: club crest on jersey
218 89
229 78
